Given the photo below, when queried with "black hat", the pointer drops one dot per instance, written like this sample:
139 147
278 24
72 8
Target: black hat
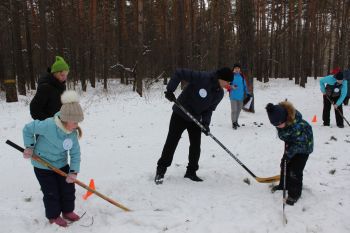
339 76
224 73
276 113
236 65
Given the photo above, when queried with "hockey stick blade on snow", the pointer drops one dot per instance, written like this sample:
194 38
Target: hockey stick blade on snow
258 179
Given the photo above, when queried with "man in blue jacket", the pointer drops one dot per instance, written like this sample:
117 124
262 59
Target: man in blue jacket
203 92
334 89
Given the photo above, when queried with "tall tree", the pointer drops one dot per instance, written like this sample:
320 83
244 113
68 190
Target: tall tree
18 56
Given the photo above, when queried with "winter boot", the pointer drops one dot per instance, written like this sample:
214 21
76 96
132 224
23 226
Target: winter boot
59 221
290 200
193 176
159 178
276 188
71 216
234 125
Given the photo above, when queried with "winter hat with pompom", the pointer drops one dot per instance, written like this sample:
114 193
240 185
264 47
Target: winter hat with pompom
71 109
276 113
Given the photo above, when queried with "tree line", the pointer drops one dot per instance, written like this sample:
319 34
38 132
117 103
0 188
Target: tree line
143 41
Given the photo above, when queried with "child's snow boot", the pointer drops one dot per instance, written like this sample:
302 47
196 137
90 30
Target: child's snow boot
71 216
59 221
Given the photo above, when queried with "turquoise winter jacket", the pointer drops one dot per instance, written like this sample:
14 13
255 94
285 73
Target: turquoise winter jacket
53 144
239 82
330 80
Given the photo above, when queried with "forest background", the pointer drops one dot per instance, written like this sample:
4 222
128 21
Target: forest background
143 41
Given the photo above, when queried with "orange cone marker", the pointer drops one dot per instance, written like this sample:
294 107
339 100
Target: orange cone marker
314 119
88 193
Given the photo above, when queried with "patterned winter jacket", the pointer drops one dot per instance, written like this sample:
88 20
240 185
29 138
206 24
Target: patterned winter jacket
297 134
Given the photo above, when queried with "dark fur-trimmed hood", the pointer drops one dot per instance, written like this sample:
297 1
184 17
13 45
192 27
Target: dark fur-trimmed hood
291 111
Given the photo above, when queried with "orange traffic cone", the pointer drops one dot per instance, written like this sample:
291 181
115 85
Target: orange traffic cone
314 119
88 193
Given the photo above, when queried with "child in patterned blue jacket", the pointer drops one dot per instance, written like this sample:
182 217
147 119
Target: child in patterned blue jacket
299 143
54 140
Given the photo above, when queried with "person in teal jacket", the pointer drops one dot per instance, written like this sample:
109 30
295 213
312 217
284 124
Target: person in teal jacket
334 89
55 140
237 89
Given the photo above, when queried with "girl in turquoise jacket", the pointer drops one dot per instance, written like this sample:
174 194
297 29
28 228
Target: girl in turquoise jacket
55 140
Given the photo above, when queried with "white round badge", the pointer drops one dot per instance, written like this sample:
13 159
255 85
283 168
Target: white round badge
203 93
67 144
336 90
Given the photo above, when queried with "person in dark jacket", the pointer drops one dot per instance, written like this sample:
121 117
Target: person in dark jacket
346 74
200 97
47 100
298 138
334 89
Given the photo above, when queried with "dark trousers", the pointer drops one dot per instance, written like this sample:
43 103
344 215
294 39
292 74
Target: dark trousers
59 195
294 179
327 105
176 127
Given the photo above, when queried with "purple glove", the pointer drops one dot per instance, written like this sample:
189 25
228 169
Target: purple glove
71 177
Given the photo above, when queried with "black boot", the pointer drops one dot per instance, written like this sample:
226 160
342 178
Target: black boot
290 200
193 176
276 188
158 179
234 125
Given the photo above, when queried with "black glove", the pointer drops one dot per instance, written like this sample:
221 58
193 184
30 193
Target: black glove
206 130
170 96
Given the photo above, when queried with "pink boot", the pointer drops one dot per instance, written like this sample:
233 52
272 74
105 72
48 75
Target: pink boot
71 216
59 221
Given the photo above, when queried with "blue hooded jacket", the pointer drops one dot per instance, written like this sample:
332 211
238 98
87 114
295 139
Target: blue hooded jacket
241 87
53 144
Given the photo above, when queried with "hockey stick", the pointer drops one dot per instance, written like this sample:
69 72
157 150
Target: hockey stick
338 111
259 179
284 190
60 172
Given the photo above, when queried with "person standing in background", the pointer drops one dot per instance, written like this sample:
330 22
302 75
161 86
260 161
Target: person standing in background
47 100
237 89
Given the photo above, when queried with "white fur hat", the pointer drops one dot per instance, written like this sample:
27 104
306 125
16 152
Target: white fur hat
71 109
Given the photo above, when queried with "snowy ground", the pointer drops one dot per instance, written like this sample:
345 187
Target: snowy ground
123 138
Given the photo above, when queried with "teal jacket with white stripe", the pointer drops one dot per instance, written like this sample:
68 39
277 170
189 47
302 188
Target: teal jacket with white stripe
330 80
53 144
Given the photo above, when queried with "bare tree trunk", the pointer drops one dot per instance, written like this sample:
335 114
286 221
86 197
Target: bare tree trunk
122 38
29 47
17 45
140 20
92 42
43 35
